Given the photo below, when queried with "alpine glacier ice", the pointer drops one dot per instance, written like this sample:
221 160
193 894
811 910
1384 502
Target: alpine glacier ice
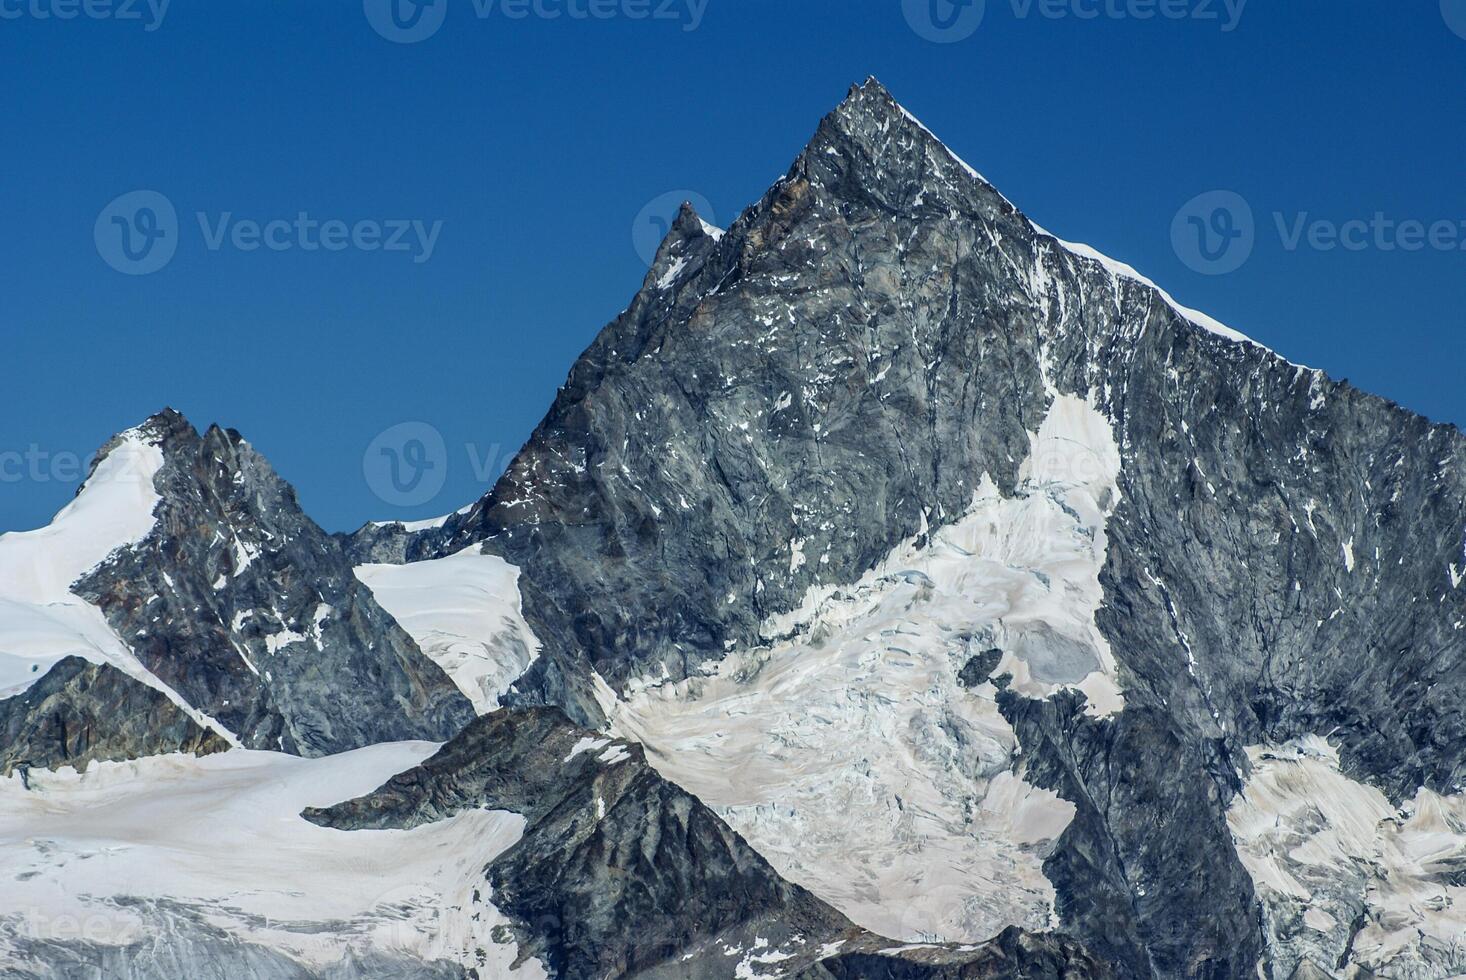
857 706
1346 877
216 845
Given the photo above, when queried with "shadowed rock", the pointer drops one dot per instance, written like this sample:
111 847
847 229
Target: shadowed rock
81 712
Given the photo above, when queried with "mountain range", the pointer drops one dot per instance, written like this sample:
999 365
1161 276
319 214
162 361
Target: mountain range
892 590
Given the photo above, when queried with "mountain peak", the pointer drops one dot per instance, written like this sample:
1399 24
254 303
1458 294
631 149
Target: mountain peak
871 102
688 241
870 89
163 428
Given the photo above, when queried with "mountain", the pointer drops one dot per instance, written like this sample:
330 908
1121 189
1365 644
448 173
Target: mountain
888 568
186 563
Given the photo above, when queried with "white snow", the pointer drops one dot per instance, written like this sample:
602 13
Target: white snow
613 755
1323 849
464 613
587 744
41 620
424 525
845 750
276 642
670 276
113 509
222 835
760 956
796 555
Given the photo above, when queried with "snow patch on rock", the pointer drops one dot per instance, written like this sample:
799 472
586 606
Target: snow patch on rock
464 613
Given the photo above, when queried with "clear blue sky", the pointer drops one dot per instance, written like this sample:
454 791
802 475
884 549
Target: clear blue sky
537 142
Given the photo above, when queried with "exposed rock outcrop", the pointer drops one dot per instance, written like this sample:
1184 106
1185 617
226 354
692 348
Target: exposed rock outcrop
80 713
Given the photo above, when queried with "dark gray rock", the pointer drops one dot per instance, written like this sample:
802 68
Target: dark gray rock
80 712
247 609
1148 849
391 543
980 667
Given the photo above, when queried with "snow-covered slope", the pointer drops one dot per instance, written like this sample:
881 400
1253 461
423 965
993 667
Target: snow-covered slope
41 619
214 852
855 753
114 508
463 611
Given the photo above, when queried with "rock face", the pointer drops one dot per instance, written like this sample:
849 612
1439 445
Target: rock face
784 403
241 604
81 712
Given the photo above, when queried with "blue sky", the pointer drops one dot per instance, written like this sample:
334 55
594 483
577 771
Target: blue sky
527 147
